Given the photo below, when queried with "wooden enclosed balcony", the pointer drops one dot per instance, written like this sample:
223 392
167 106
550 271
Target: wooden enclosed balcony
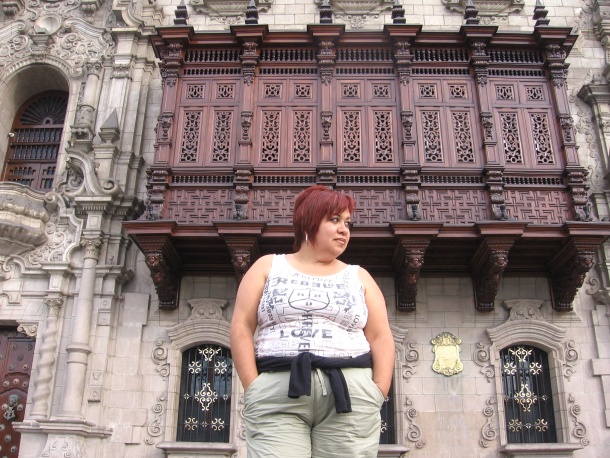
458 148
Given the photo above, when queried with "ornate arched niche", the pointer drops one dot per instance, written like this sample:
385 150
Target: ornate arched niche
527 325
206 324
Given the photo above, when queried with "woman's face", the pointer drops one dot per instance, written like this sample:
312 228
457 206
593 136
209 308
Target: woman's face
333 234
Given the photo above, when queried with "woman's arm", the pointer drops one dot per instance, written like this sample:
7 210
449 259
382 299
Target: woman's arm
378 333
243 322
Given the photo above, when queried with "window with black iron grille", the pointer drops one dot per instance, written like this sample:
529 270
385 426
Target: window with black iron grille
388 425
528 400
204 412
35 140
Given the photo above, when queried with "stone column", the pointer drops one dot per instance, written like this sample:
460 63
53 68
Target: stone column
79 349
42 384
82 130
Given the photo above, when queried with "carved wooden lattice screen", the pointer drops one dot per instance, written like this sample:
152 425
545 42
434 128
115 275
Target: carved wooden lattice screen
35 141
368 126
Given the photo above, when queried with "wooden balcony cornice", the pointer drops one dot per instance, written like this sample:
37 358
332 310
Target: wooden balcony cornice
487 251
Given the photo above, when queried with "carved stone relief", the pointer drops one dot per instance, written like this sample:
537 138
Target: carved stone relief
413 431
579 430
489 431
228 12
54 37
481 358
357 13
412 359
490 12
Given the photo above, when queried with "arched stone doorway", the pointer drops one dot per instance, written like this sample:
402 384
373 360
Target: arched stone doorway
35 140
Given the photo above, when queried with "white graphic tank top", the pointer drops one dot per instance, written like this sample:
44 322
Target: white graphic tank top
322 315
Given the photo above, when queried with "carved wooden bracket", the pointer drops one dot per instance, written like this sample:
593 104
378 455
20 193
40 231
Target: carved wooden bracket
413 239
244 251
491 258
241 238
569 269
165 270
489 263
411 255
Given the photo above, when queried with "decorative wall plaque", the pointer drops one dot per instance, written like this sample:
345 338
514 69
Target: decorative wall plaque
447 354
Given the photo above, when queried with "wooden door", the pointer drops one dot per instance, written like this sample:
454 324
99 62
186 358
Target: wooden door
16 355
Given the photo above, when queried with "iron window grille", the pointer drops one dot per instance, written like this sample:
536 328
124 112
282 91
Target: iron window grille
528 399
388 424
204 412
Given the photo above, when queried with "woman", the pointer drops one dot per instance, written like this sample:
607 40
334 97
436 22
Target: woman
321 364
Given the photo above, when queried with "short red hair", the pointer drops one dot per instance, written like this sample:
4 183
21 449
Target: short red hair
312 206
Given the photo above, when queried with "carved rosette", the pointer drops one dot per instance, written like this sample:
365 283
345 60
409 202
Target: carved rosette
165 276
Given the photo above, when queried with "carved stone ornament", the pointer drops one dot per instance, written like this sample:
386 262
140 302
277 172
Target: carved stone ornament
358 12
228 8
22 219
53 36
489 10
447 354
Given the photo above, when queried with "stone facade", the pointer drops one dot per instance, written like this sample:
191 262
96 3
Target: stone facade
105 378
